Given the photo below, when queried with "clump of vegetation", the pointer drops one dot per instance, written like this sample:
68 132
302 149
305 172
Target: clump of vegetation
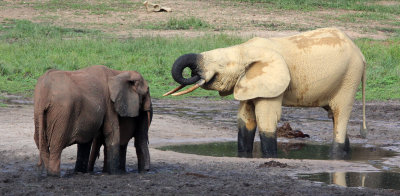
179 24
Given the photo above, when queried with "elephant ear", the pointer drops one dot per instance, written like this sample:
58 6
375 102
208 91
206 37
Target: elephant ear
268 77
125 92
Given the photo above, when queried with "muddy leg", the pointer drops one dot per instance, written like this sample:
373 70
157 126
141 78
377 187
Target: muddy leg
122 158
268 113
142 152
82 158
247 129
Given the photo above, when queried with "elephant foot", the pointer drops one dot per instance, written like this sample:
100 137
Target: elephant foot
80 169
113 160
53 174
144 168
340 151
269 146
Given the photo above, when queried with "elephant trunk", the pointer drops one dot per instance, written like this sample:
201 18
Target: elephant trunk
187 60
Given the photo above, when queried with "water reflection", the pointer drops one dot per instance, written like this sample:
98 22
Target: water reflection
385 180
285 150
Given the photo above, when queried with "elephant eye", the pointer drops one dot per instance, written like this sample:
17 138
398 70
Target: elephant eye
131 82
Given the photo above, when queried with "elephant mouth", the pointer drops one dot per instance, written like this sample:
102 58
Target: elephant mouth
192 88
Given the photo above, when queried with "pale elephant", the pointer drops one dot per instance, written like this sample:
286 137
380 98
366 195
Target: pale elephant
76 106
319 68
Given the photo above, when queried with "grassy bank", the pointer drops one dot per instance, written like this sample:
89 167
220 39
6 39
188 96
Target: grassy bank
28 50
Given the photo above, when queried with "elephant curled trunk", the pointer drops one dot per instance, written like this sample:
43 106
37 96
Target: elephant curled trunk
187 60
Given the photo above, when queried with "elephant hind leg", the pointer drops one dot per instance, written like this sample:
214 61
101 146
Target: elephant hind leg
247 126
341 109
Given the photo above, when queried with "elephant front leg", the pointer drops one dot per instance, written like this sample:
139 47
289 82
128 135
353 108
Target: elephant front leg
268 113
247 129
143 155
112 140
82 158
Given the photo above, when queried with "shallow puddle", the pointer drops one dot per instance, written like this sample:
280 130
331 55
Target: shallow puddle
384 180
285 150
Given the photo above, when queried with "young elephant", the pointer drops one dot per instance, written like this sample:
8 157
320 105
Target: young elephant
320 68
136 127
76 106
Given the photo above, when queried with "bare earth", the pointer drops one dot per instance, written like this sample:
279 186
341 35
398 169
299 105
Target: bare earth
175 173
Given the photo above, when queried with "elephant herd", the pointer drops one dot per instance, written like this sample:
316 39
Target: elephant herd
98 106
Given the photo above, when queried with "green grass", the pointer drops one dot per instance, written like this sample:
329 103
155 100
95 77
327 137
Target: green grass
178 24
383 68
29 49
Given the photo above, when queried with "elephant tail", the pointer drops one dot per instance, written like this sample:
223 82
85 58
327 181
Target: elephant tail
364 129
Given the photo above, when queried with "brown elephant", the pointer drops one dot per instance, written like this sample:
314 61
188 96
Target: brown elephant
76 106
319 68
136 127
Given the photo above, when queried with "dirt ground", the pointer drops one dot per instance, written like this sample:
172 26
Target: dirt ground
176 173
197 120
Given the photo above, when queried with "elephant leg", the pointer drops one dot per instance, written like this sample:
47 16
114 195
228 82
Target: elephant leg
268 112
82 159
105 163
247 129
94 153
122 157
112 143
54 163
143 155
341 115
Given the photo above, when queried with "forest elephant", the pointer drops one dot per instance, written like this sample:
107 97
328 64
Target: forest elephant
319 68
76 106
136 127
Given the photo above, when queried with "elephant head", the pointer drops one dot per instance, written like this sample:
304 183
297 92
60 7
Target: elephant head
130 93
248 70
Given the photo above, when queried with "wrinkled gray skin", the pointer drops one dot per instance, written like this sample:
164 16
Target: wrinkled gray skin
74 107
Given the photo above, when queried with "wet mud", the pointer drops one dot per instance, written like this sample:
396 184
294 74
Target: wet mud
200 120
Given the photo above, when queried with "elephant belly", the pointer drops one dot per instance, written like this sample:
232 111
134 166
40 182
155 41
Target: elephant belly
315 95
88 123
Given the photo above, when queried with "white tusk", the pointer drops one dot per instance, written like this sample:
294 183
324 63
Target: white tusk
173 91
197 85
